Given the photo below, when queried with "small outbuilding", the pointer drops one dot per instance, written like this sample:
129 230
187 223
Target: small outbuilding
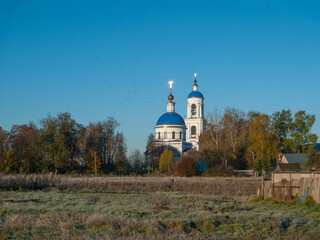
288 167
293 158
201 166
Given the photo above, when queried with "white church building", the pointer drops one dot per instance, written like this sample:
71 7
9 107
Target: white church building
174 132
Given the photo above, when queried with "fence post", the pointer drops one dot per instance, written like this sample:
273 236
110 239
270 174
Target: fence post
262 186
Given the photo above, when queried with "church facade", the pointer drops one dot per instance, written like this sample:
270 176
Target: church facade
177 134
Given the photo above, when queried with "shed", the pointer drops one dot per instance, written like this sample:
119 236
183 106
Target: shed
201 166
293 158
288 167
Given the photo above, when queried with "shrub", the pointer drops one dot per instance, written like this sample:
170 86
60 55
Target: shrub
310 201
186 167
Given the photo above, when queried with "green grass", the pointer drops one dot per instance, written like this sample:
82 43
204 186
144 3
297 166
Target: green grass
90 214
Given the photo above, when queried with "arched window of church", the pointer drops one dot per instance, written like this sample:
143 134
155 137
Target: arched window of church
180 135
173 135
158 135
165 135
193 131
193 109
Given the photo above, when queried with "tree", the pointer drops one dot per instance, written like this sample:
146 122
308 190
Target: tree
166 162
109 145
60 137
25 141
282 123
111 142
94 163
313 159
301 138
263 142
136 160
227 135
234 135
234 130
3 144
150 153
211 138
211 157
186 167
10 164
121 165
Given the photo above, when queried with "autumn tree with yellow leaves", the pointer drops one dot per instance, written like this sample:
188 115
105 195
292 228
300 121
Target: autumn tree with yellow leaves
166 162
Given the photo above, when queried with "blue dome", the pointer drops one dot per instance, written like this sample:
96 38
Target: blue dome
170 118
195 94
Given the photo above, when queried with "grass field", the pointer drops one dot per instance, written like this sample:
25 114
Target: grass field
102 212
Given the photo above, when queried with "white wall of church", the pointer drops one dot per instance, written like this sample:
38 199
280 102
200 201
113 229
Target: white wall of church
165 132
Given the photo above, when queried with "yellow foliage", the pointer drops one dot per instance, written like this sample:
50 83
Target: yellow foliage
93 161
166 162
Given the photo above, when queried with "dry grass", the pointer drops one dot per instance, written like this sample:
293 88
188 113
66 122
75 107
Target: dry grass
74 207
216 186
63 214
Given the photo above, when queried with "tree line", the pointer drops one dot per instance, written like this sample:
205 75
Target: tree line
62 145
254 140
233 139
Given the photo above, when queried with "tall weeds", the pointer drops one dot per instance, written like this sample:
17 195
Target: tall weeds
216 186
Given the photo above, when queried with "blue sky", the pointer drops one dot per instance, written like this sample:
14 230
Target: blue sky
96 59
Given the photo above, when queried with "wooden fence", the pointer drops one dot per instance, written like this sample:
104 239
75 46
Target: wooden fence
290 186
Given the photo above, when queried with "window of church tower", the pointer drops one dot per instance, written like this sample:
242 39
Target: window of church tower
173 135
180 135
193 132
165 135
193 109
158 135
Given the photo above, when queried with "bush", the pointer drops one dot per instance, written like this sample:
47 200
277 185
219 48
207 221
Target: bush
186 167
310 201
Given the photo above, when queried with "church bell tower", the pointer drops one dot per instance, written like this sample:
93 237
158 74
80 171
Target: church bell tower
195 116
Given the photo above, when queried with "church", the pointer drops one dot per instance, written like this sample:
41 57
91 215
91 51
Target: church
174 132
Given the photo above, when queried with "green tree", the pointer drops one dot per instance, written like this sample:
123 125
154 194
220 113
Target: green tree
313 159
301 140
166 162
211 157
282 124
60 137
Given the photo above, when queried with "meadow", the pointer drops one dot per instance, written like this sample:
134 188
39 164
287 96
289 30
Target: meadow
64 207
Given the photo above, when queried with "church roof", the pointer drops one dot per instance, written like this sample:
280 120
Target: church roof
170 118
195 94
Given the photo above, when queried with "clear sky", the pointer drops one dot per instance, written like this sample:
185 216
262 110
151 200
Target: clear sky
96 59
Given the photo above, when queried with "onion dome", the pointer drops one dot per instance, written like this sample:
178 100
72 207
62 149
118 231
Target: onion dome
195 93
170 118
170 97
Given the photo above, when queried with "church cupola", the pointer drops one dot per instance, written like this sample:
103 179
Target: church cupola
170 104
170 130
195 86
